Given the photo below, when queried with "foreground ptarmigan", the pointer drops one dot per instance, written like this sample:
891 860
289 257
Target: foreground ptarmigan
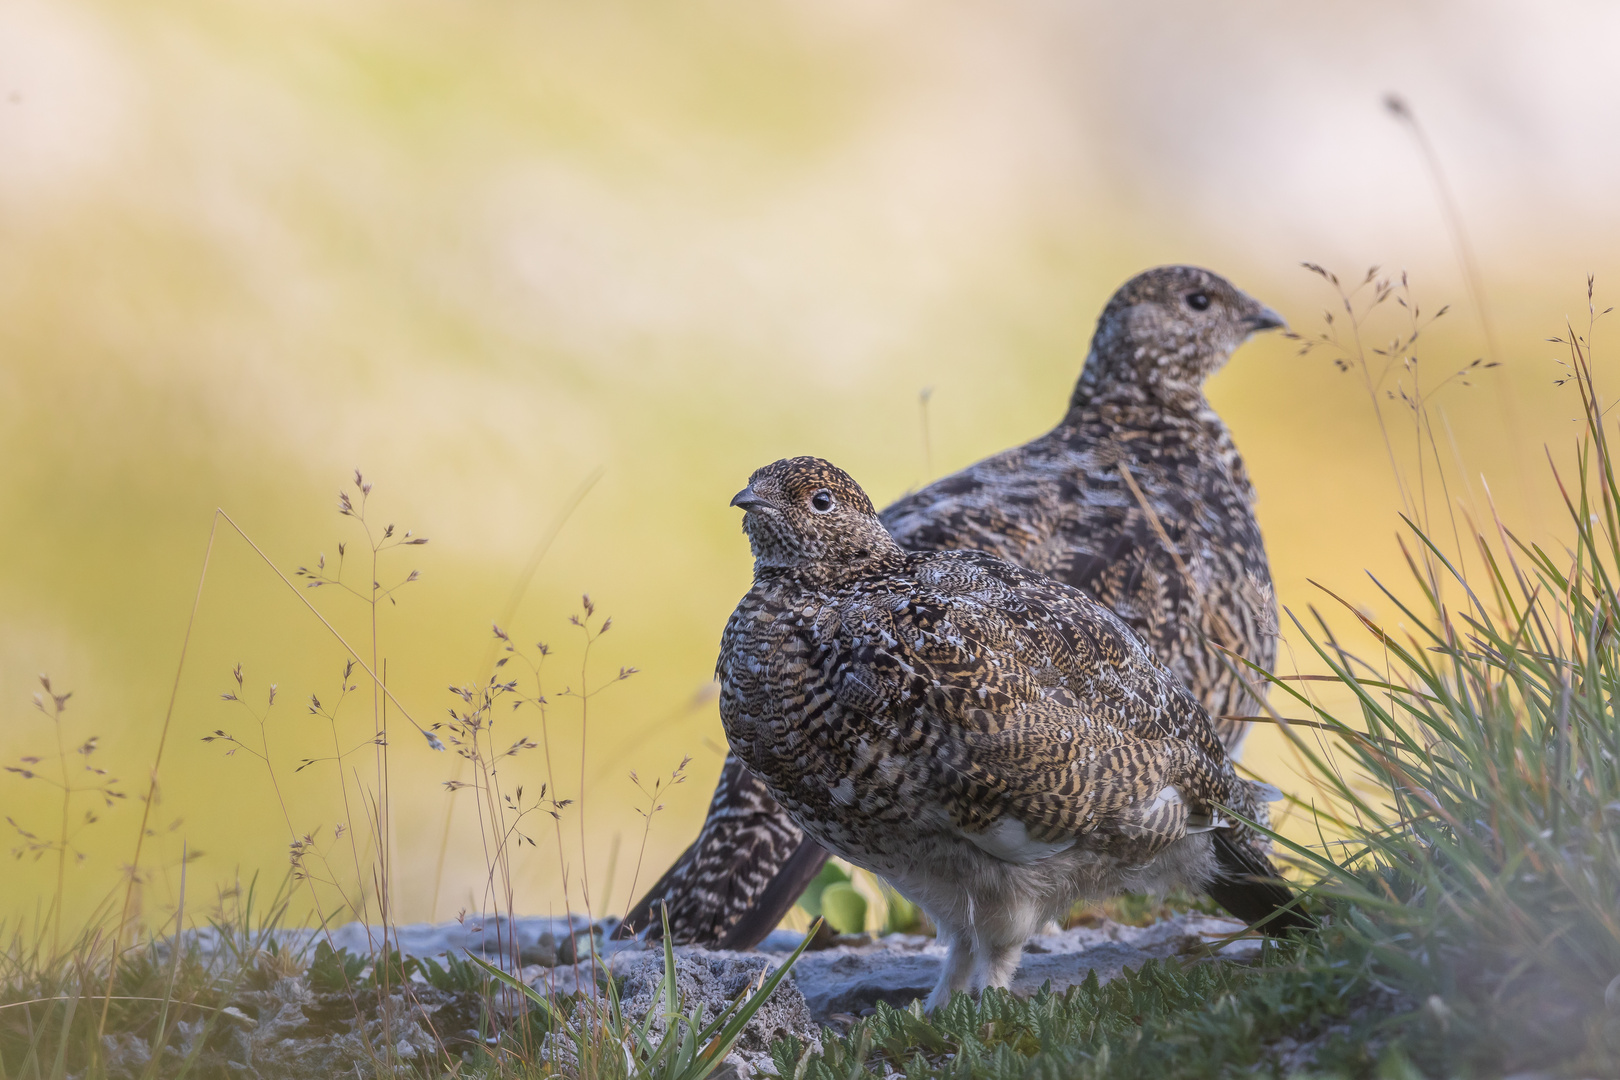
1138 433
991 741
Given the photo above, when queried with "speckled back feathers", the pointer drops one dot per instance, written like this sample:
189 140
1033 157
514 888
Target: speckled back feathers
877 694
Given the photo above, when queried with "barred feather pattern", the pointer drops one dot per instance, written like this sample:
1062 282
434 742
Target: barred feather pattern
745 841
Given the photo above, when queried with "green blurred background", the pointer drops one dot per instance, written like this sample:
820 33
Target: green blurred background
485 251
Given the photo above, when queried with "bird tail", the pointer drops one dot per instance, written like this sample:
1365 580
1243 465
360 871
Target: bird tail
1247 885
738 878
778 896
761 915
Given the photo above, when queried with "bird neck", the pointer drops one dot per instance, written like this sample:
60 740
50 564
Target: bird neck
827 572
1106 381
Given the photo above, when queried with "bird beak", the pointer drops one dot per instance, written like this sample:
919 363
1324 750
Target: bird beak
748 500
1266 319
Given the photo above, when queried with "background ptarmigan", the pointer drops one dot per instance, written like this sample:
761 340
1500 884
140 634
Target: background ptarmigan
993 742
1191 575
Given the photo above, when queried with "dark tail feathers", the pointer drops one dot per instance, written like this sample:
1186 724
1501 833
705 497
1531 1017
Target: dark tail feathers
762 915
1248 887
779 896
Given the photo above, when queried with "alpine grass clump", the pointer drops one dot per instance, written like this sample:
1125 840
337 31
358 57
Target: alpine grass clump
1477 781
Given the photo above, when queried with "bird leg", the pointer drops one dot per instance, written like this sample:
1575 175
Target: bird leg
998 961
958 969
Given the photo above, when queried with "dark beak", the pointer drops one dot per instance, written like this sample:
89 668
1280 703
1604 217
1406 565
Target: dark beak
1266 319
748 500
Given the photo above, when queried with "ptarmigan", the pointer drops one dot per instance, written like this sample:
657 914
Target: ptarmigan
1073 504
991 741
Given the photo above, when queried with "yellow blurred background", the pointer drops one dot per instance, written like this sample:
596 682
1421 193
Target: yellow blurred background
489 251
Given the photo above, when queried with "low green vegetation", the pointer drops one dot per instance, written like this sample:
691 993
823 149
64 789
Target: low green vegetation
1167 1020
605 1042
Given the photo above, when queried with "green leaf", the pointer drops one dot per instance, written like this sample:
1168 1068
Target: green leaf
843 908
830 874
539 1000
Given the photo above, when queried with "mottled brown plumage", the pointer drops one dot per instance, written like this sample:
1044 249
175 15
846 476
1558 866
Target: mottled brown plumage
993 742
1139 459
1138 496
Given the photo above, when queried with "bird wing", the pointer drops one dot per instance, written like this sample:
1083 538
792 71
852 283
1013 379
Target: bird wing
1009 505
1038 704
1130 526
1067 511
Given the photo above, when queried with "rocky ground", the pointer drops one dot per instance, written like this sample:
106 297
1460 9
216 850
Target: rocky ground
848 980
289 1029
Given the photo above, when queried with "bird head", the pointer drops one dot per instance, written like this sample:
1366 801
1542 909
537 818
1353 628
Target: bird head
1168 329
807 515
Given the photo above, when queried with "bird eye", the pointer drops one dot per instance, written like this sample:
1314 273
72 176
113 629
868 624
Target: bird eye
821 501
1198 301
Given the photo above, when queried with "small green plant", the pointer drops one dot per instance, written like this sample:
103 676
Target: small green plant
454 976
334 971
843 908
605 1043
829 874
